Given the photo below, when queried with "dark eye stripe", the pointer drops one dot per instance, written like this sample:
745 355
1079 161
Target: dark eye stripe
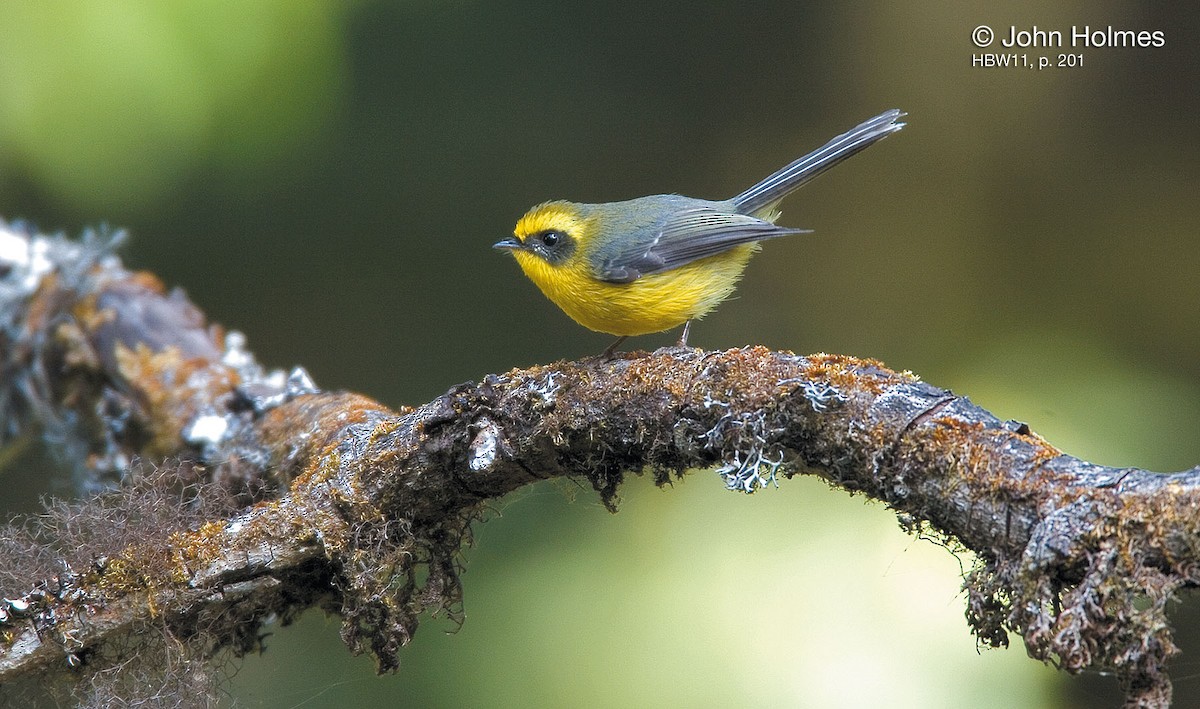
553 245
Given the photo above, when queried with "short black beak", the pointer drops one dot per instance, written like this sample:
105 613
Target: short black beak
509 243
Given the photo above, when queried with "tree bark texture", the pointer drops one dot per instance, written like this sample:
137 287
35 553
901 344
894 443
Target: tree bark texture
335 499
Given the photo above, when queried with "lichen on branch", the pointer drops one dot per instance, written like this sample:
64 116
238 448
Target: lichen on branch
336 500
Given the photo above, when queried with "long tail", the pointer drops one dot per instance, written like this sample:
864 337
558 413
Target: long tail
763 196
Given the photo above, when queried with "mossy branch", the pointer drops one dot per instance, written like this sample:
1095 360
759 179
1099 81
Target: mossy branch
332 498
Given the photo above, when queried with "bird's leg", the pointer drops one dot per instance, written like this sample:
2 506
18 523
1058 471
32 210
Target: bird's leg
683 338
611 349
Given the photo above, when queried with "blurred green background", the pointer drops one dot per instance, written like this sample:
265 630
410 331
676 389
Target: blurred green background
329 176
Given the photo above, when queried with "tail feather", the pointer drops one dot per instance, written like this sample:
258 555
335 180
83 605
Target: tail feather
764 196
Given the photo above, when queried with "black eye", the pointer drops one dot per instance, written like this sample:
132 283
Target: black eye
551 245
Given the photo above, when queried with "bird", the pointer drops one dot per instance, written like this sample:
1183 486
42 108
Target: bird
653 263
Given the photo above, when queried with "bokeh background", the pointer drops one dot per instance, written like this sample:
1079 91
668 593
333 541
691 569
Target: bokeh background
328 177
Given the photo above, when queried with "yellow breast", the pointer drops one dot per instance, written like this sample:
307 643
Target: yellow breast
652 303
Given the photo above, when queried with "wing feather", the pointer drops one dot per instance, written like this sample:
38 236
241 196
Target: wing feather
685 236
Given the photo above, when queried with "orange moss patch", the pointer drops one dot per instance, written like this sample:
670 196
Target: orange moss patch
140 568
197 548
973 451
170 386
148 281
853 373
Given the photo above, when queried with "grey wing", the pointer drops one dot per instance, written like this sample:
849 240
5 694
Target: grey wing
686 236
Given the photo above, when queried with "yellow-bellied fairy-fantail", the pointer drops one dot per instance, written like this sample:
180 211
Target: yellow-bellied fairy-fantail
649 264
